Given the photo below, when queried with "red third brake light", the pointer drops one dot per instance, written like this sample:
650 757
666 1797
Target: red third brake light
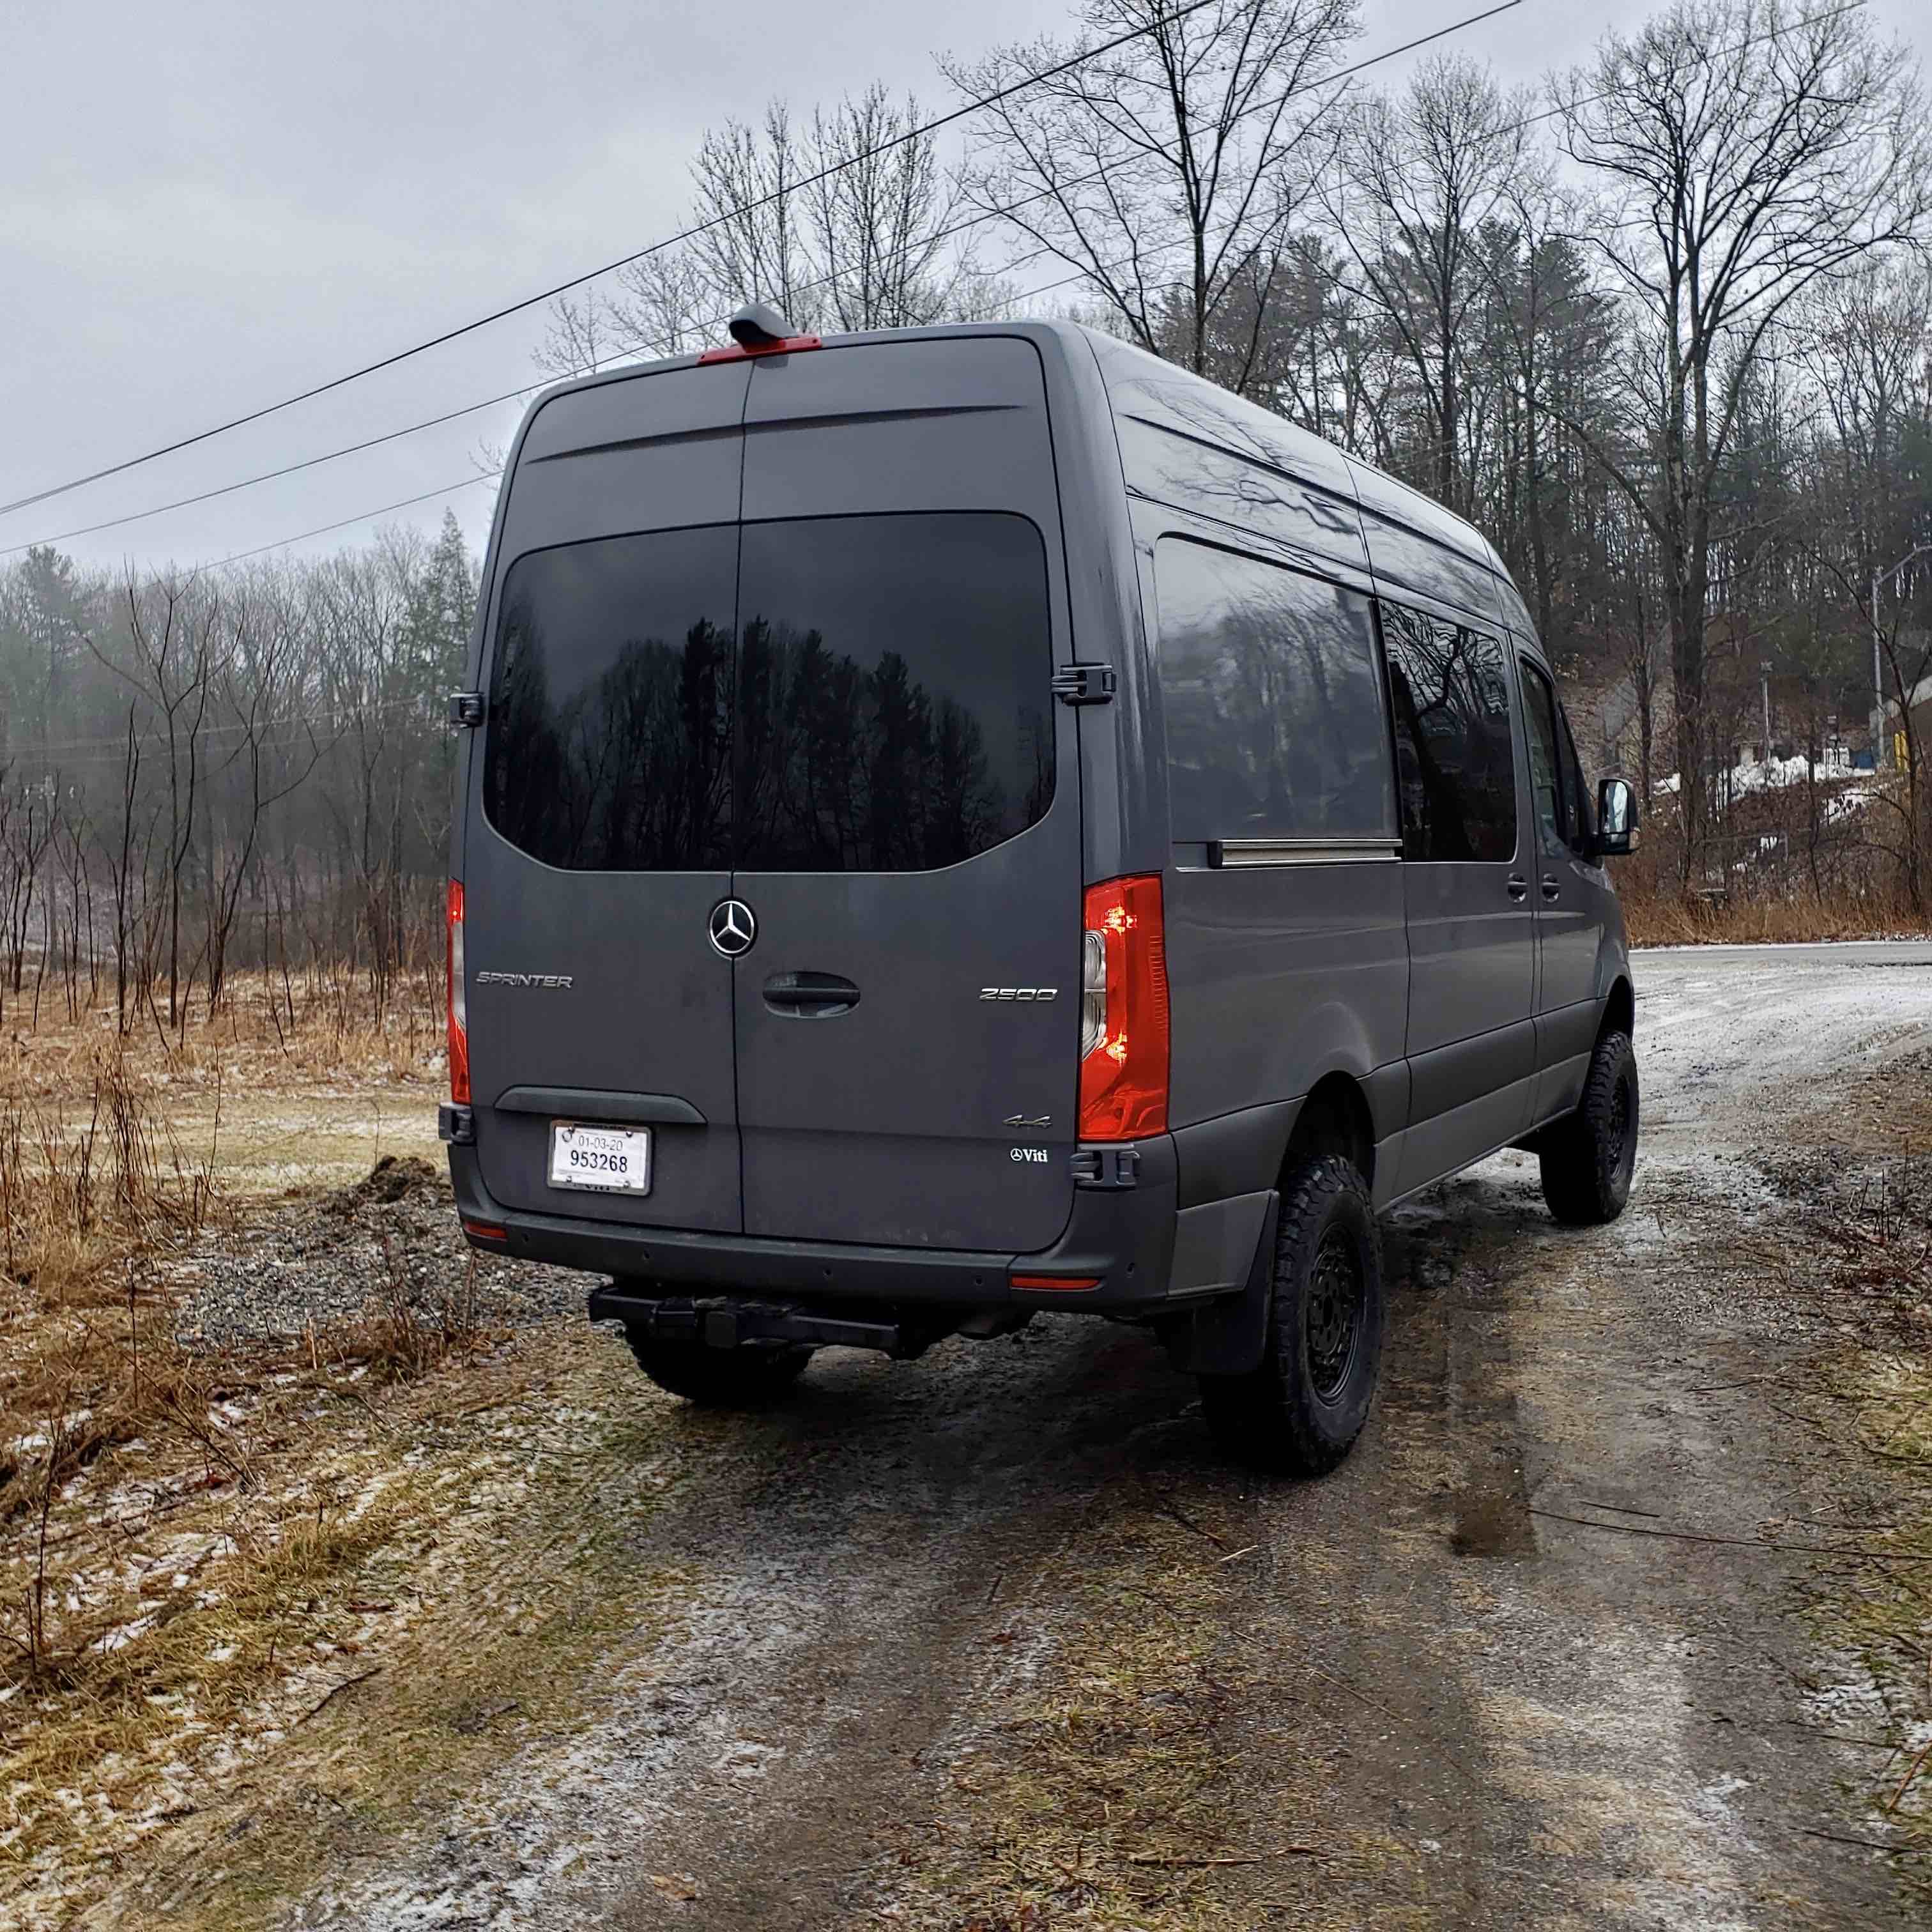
784 345
459 1007
1123 1011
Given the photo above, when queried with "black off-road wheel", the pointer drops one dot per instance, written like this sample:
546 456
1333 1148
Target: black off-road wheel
719 1377
1588 1157
1299 1413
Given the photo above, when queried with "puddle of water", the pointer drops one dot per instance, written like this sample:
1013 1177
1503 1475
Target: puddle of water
1493 1522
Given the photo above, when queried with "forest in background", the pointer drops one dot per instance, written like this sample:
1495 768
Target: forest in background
1663 330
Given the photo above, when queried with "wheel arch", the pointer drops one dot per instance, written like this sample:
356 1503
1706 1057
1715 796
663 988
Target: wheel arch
1335 1118
1619 1010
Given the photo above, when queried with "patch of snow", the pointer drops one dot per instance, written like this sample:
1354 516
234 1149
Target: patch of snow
124 1634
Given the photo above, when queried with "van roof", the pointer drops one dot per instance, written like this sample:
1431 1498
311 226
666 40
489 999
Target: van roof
1249 431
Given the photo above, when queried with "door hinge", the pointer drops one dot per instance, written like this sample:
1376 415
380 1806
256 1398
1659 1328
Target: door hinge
1085 683
466 708
1109 1167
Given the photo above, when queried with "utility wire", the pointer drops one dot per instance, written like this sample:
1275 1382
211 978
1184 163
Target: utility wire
286 469
618 357
491 475
487 475
342 524
1019 86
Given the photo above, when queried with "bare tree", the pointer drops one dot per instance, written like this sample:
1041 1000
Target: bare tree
880 214
1168 170
849 222
1749 155
1420 176
260 687
172 627
751 191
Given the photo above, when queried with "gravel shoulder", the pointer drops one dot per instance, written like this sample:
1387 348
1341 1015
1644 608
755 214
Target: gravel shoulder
389 1241
993 1641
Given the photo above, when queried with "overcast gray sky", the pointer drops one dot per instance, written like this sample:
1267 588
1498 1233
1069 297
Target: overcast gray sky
209 204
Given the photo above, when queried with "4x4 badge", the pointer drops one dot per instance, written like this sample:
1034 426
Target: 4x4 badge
733 927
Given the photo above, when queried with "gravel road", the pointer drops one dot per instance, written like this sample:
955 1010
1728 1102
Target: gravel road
1468 1694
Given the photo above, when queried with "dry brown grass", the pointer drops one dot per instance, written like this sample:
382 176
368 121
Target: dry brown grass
1666 917
1873 1243
1117 1789
165 1513
399 1623
91 1201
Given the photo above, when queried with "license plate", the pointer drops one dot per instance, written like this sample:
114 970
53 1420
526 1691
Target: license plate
614 1160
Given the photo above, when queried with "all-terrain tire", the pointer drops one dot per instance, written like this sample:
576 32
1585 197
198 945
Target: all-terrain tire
1588 1157
719 1377
1299 1413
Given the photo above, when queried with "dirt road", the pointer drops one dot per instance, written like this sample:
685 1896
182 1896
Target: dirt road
993 1640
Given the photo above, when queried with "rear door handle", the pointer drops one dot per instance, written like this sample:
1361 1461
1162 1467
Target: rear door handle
1552 887
810 996
1519 887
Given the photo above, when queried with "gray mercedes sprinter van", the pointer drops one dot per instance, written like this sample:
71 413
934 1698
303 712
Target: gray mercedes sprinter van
964 821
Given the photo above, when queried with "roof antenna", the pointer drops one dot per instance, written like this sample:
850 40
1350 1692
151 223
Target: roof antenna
756 326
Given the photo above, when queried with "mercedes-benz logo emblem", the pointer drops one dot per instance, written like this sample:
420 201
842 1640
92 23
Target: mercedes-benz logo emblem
733 927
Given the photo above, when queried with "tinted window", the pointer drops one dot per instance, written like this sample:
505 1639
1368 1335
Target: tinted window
1449 686
1274 717
891 707
894 691
1563 815
1583 811
609 704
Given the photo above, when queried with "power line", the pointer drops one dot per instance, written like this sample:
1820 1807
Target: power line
620 355
1743 46
617 358
342 524
973 221
1019 86
286 469
641 348
491 475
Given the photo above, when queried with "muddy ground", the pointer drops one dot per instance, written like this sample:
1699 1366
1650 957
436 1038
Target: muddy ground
993 1642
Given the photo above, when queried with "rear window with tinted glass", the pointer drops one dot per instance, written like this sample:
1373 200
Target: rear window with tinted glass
838 693
894 691
609 729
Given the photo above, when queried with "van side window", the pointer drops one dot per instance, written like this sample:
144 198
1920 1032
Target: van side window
610 704
1274 715
1449 686
1563 816
1583 811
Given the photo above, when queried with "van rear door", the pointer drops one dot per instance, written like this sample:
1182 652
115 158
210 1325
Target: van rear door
907 814
598 839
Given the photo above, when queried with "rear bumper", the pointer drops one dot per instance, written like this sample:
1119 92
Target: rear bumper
1122 1238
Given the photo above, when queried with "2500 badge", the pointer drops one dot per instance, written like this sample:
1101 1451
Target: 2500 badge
1033 993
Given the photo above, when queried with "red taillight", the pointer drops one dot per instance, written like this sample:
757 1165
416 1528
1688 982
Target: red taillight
459 1007
1123 1011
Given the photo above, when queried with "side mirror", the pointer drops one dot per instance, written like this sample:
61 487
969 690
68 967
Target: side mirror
1616 818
